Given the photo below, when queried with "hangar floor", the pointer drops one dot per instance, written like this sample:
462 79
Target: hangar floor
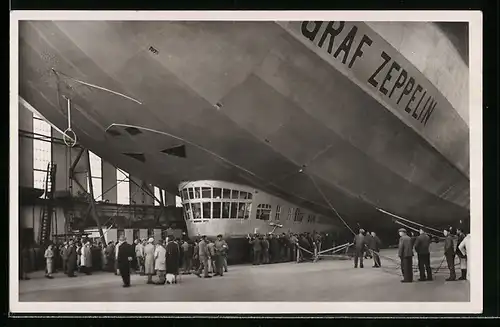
326 280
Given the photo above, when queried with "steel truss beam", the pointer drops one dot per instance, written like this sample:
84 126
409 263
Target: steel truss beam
90 193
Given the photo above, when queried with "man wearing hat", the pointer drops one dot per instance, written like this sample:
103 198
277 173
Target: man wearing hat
461 257
405 253
449 253
204 256
149 260
359 245
220 252
422 243
139 253
124 257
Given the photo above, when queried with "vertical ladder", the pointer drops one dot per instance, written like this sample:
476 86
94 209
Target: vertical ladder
48 208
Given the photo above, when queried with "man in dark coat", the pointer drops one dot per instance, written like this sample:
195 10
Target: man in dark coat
257 249
64 257
220 252
359 245
422 243
449 253
369 244
375 245
274 250
405 253
173 257
265 250
110 254
196 255
71 259
187 253
124 259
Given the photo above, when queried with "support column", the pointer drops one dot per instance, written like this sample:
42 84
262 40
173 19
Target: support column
157 234
78 171
60 156
143 233
129 235
112 235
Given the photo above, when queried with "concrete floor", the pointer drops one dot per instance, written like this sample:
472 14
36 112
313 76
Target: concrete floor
327 280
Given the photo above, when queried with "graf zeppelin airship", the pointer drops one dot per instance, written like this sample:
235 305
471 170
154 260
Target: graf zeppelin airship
301 123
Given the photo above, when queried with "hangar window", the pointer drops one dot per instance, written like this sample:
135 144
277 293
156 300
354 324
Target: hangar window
290 214
311 218
243 195
217 192
216 210
207 210
263 211
122 187
191 193
299 215
234 194
42 150
158 194
278 212
196 210
241 210
249 196
206 192
226 194
96 171
226 206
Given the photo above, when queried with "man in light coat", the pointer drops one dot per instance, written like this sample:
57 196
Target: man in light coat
464 248
211 252
139 253
149 260
160 262
359 247
375 244
462 260
204 256
405 253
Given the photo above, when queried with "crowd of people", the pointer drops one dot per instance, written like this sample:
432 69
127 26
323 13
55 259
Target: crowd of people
368 244
165 259
204 257
285 247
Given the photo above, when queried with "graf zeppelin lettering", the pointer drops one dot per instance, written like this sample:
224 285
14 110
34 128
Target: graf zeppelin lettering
387 75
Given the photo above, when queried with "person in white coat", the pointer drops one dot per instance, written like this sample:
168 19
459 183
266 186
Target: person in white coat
160 262
49 256
464 247
86 258
149 260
